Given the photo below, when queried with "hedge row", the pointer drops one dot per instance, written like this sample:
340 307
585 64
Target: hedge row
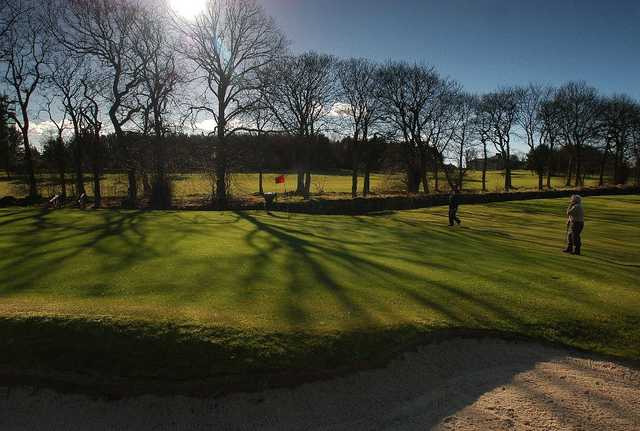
360 206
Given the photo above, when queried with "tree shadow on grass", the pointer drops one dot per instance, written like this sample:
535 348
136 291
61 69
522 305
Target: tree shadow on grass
322 254
299 256
369 270
42 247
512 288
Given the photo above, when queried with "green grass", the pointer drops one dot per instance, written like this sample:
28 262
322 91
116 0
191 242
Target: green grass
204 293
189 186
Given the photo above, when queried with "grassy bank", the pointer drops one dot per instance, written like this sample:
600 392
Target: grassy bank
193 294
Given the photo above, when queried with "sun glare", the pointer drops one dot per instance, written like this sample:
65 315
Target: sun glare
188 8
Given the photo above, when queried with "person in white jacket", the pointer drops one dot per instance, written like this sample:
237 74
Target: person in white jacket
575 224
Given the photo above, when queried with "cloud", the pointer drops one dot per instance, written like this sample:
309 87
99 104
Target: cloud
42 128
40 131
339 109
208 125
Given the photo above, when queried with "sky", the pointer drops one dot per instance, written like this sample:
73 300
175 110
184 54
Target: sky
484 44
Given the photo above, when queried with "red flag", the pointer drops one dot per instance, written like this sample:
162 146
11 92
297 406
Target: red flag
280 179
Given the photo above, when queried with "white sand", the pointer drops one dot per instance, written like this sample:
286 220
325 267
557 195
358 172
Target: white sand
482 384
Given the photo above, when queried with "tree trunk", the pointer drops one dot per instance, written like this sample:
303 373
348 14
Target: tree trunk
460 169
578 164
436 176
307 183
260 189
507 170
221 151
423 172
569 173
354 180
146 186
616 166
307 179
77 162
221 172
484 167
300 162
300 185
603 162
450 182
97 195
413 180
425 181
132 192
366 181
28 159
63 182
509 165
354 165
540 180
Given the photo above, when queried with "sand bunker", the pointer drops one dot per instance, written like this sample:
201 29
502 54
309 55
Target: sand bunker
462 384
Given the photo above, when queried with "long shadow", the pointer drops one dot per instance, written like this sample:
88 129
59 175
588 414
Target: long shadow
310 249
305 252
37 241
299 257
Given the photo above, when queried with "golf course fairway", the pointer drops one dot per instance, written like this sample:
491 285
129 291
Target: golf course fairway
184 294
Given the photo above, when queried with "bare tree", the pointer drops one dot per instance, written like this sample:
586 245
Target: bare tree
358 81
7 150
618 118
408 93
58 146
230 42
260 120
64 74
442 128
10 12
156 48
635 142
464 132
551 132
300 92
501 109
531 100
90 127
24 57
580 111
373 156
107 31
482 125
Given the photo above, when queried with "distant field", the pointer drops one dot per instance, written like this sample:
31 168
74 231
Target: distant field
208 292
194 186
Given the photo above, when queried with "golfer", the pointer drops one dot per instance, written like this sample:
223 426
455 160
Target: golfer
453 207
575 224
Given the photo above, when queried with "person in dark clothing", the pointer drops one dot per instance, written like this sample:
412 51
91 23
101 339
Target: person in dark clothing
575 224
453 207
